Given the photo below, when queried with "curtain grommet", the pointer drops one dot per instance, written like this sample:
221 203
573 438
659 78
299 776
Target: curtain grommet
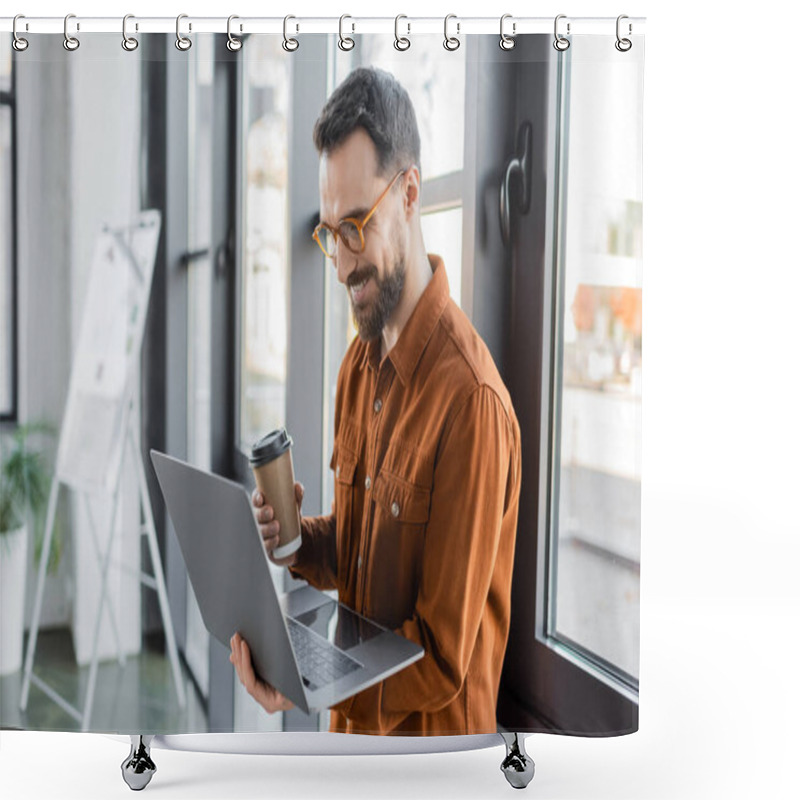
70 43
401 43
507 42
561 43
451 43
233 44
19 44
129 43
623 45
183 43
289 43
346 43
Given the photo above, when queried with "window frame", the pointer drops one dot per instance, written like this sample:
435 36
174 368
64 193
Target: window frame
8 99
579 654
585 681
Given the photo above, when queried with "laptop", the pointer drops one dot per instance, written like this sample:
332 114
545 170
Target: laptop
311 648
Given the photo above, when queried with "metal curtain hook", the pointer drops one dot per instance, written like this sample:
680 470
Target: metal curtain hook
401 42
623 45
345 42
181 42
560 43
19 44
128 42
289 44
233 44
507 42
451 42
70 42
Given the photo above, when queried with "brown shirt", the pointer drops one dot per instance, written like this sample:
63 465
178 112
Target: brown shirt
426 458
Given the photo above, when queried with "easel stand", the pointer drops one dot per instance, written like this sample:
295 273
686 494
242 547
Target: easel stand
93 445
155 582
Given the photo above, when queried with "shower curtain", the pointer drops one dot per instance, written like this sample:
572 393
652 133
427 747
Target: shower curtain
182 251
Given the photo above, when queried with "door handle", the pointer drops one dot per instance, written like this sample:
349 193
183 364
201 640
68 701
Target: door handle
193 255
519 165
224 256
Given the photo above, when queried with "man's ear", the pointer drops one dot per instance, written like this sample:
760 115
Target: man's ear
411 191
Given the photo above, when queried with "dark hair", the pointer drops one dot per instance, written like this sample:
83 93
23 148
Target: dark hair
374 100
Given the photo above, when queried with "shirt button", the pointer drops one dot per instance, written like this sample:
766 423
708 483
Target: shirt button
395 510
368 483
338 470
378 405
359 562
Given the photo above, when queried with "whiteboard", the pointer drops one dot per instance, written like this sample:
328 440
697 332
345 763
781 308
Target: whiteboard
107 353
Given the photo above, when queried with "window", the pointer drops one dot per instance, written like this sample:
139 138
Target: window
265 246
8 266
595 479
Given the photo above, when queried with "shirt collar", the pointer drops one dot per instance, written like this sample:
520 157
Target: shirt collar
407 351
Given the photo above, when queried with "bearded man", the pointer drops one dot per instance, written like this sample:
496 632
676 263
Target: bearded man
426 452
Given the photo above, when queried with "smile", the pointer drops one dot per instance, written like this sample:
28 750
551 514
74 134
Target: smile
357 290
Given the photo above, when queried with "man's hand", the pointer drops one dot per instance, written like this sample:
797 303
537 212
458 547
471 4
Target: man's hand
270 527
264 694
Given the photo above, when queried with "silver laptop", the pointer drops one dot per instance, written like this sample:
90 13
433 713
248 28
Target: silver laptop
314 650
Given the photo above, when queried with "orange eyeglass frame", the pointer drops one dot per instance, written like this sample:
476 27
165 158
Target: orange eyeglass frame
358 224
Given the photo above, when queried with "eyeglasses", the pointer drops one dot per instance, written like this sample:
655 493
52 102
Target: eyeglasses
349 230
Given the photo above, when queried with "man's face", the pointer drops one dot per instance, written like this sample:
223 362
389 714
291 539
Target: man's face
349 185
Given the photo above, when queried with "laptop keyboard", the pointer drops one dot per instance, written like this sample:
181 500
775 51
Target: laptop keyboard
320 662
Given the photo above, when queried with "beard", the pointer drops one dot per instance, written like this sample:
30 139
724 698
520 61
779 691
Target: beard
372 316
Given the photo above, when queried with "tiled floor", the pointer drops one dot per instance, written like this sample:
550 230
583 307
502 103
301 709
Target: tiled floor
138 697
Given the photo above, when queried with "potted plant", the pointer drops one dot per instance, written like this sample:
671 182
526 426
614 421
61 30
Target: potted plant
24 487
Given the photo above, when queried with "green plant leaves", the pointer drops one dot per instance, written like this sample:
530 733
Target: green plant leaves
25 487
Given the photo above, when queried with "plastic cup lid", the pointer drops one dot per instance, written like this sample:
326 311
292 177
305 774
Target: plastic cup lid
269 447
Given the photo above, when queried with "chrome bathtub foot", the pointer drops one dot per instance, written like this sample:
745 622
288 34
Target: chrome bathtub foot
518 766
138 768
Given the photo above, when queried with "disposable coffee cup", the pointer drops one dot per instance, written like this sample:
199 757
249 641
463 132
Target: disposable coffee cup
271 462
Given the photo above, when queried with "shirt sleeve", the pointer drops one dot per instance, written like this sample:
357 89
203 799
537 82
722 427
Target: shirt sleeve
476 466
316 558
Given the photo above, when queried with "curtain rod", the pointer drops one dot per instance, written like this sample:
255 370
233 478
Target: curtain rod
299 25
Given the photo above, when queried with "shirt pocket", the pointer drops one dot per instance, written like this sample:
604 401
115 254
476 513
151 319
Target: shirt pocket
402 510
344 463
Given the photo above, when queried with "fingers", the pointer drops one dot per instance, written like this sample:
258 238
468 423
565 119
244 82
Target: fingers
264 512
268 526
244 667
270 533
267 696
240 657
